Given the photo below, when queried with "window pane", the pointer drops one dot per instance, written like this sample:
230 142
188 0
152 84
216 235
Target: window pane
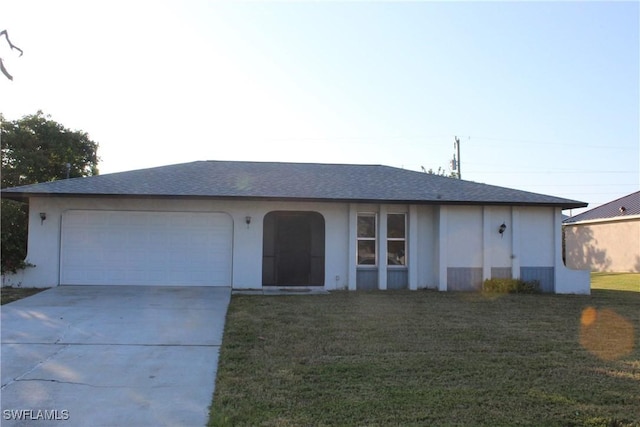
366 226
366 252
396 253
395 226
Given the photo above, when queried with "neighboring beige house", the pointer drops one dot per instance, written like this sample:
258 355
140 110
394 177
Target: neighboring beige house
606 238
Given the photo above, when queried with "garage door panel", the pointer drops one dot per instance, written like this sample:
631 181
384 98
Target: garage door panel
146 248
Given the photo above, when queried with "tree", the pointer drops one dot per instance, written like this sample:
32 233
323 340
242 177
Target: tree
36 149
13 47
440 172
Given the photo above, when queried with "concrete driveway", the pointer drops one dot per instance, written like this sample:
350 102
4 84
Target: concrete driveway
111 356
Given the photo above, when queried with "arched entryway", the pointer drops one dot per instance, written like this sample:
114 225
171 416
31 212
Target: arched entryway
293 249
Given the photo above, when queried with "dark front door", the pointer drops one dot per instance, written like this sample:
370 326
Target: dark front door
293 250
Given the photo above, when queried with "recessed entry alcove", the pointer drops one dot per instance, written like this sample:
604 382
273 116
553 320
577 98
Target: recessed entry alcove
293 249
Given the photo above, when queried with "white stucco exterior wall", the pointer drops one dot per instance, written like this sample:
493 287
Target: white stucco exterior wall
412 247
499 247
438 238
427 247
442 247
536 236
515 242
469 238
464 236
43 247
44 239
352 247
568 281
382 250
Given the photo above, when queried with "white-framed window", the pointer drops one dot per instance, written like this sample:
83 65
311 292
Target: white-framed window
367 241
397 239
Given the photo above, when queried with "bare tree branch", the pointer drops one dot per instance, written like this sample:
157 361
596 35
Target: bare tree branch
13 47
4 70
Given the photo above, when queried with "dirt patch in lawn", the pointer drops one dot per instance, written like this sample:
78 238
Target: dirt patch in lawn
9 294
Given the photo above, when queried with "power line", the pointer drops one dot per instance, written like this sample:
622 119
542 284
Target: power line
437 139
588 185
555 144
549 172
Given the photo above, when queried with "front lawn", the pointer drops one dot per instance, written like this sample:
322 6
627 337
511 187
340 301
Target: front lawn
9 294
430 358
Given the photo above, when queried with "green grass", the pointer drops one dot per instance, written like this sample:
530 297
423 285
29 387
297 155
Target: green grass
616 281
430 358
9 294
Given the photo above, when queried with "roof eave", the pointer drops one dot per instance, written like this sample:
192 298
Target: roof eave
601 220
569 204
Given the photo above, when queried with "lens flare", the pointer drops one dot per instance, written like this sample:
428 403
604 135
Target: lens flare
606 334
589 315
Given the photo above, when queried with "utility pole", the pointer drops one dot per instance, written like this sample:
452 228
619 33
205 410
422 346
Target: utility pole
459 160
455 163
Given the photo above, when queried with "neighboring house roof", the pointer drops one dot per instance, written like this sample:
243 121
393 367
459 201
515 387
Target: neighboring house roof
292 181
623 207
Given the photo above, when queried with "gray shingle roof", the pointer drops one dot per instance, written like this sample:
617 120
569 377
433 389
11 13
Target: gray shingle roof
292 181
613 209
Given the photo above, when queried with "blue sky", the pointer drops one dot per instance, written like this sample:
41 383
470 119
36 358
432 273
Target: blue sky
544 96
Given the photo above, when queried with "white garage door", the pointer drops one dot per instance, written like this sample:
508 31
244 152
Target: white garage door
146 248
